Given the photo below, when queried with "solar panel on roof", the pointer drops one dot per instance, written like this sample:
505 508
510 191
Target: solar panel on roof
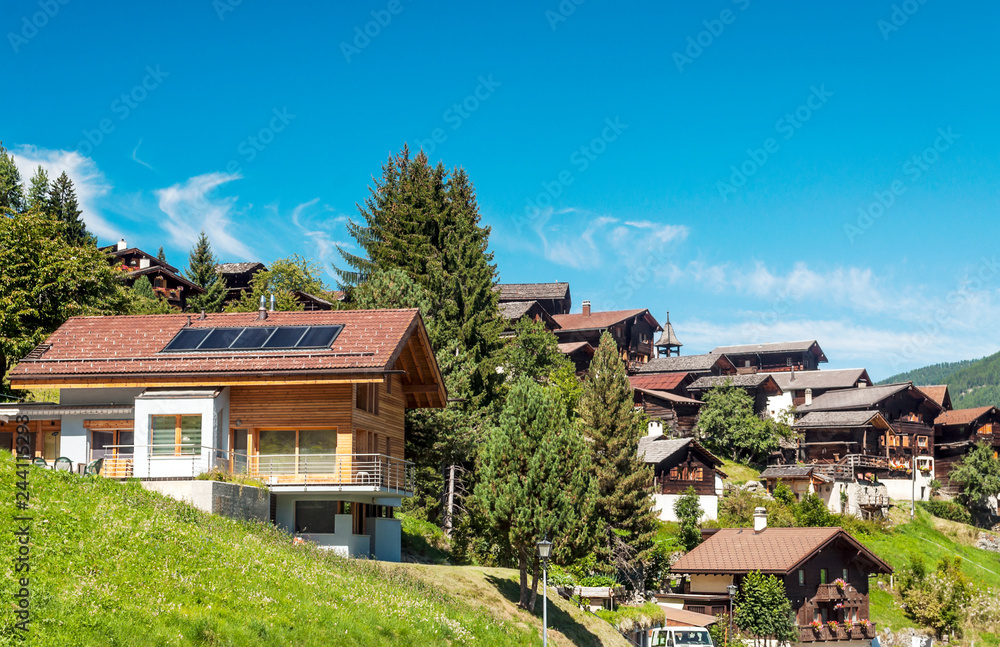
253 338
187 339
319 337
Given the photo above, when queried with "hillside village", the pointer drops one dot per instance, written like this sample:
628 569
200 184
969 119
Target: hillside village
438 395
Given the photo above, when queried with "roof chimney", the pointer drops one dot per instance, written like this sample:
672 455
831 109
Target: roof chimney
792 377
122 245
261 311
809 397
759 519
272 302
202 316
586 308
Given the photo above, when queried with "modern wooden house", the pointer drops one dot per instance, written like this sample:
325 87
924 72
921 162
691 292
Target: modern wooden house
166 279
909 441
778 356
553 297
679 464
825 572
632 331
956 432
311 403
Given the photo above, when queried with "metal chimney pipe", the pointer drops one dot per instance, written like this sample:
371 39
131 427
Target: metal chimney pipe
261 311
272 302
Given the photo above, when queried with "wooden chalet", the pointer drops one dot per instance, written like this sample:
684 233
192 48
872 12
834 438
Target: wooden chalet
513 311
956 432
797 385
668 413
237 277
778 356
800 479
632 331
825 572
909 441
166 279
696 365
554 298
679 464
312 403
578 352
759 386
939 393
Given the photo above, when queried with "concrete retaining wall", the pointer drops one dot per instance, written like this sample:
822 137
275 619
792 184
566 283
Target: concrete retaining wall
226 499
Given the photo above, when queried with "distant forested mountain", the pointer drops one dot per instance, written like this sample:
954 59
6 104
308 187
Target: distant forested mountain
972 383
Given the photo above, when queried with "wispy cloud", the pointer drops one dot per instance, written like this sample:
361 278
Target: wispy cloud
135 157
89 182
191 207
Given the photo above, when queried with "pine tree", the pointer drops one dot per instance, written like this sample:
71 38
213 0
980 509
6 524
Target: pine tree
38 192
161 255
145 301
536 481
613 425
11 191
687 509
201 271
764 611
63 206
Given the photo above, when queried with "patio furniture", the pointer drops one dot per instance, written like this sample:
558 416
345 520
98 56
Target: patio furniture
63 463
94 467
39 461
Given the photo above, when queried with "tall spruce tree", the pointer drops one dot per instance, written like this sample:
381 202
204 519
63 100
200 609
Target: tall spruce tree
161 255
426 223
38 191
11 191
536 481
614 426
201 271
63 206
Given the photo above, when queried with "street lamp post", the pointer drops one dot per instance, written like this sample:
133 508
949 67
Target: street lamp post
544 552
731 589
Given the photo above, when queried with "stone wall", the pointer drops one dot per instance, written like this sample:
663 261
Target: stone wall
226 499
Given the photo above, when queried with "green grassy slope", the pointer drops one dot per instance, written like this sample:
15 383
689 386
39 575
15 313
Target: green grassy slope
113 564
972 383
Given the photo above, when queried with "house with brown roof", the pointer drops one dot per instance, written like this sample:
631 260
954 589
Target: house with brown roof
632 331
825 572
797 385
311 403
237 277
553 297
777 356
668 413
679 464
166 279
939 393
956 432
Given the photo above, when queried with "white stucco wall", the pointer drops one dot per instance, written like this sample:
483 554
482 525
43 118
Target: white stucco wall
343 542
664 505
177 466
778 403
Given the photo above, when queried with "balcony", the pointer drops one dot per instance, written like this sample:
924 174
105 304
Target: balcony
829 592
842 632
346 472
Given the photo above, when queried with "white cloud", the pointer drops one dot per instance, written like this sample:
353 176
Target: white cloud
191 208
317 225
89 182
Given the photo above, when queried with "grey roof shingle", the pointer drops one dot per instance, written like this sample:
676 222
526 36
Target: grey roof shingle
532 291
826 379
786 471
749 380
656 449
680 364
511 310
865 398
772 347
238 268
836 419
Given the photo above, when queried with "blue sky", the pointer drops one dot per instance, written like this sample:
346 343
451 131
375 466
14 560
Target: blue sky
762 171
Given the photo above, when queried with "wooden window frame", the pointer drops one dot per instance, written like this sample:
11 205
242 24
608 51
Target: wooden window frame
178 450
366 397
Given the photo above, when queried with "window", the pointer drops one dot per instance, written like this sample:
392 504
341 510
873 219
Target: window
367 398
906 441
922 441
178 435
844 576
718 611
315 516
985 430
802 577
822 576
697 609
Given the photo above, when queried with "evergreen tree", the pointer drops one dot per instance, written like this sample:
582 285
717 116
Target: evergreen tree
978 477
614 426
687 509
64 207
143 288
11 192
201 271
145 301
161 255
532 352
38 192
536 481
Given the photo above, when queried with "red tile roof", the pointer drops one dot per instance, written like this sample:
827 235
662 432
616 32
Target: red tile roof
605 319
960 416
936 392
131 345
773 550
657 381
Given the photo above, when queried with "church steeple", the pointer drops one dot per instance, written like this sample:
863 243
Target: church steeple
668 344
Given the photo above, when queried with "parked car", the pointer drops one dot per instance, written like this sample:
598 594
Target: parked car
680 637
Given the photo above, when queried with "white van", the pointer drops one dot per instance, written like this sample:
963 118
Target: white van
680 637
